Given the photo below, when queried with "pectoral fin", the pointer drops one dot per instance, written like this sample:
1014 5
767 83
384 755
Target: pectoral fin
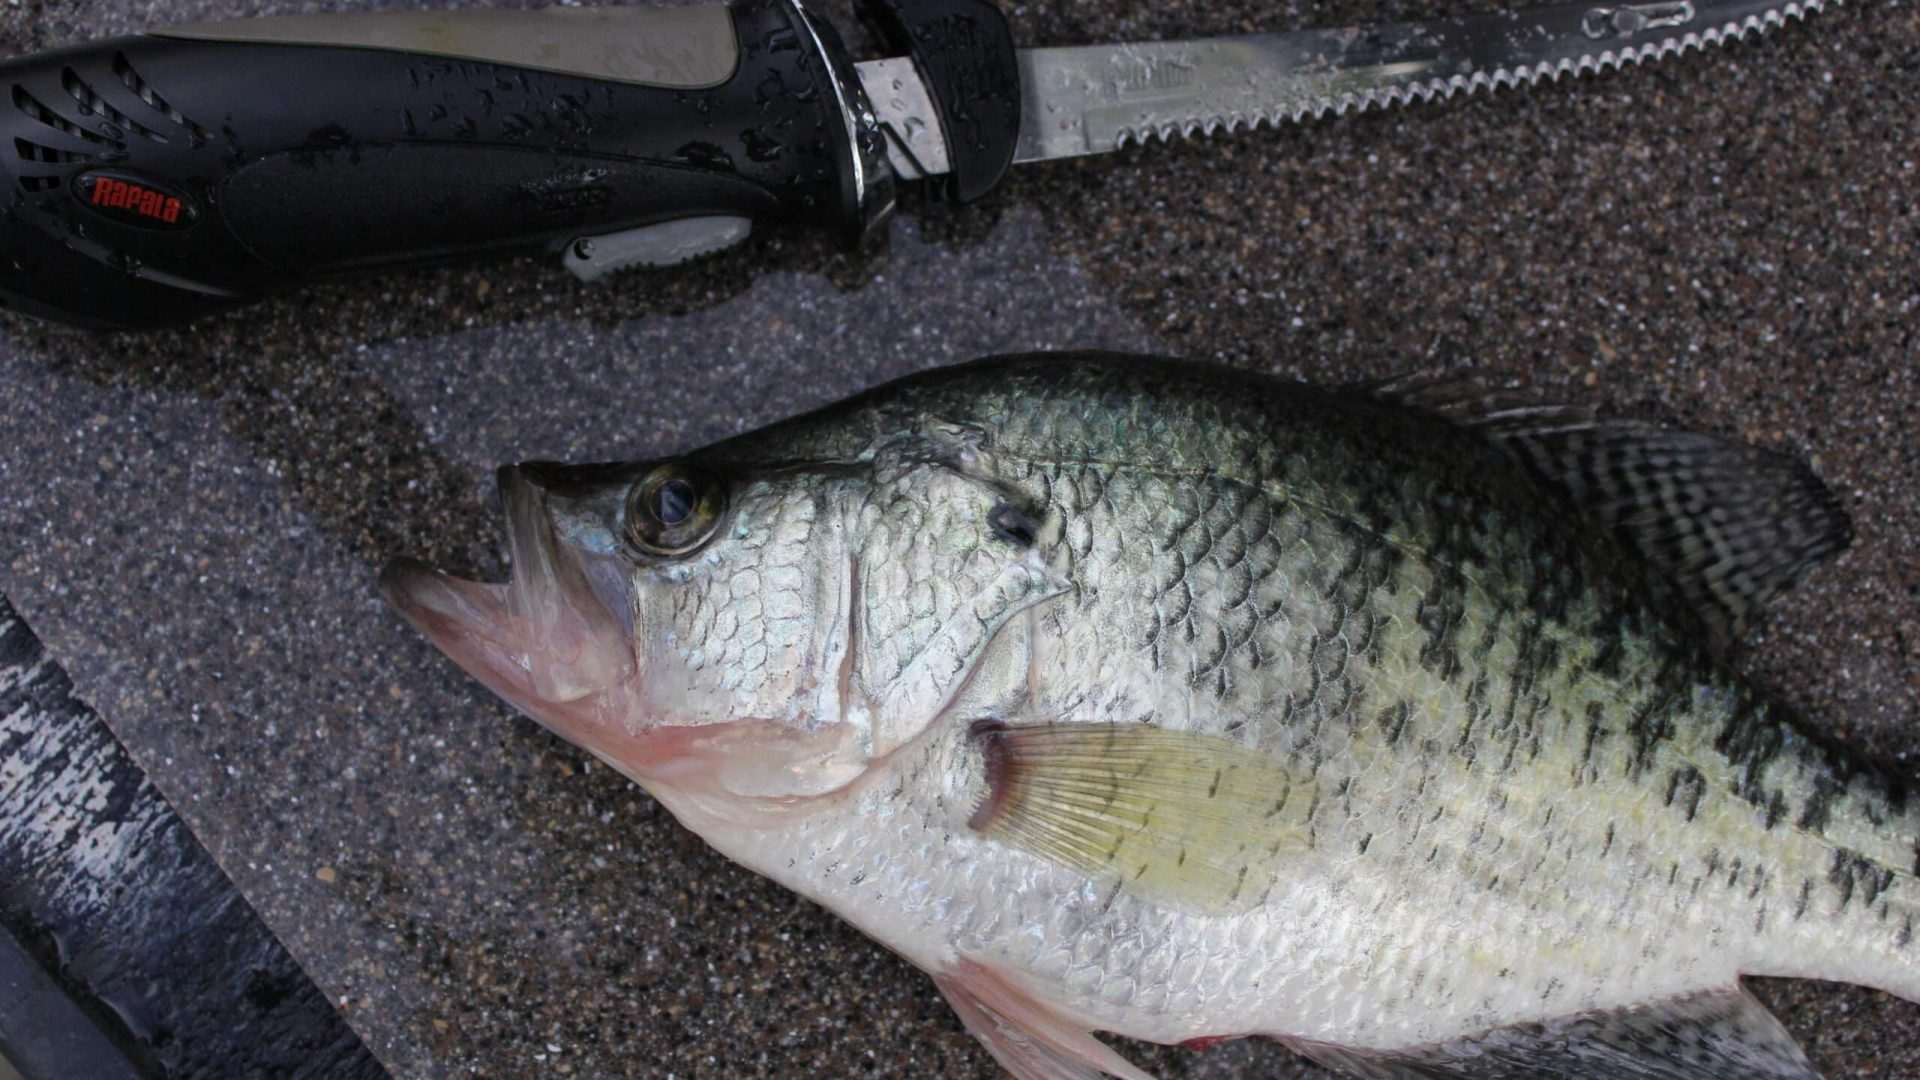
1027 1038
1187 820
1715 1035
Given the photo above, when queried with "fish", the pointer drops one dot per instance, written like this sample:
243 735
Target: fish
1397 721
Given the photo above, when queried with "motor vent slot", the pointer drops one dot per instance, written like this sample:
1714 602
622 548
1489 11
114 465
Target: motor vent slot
33 151
91 104
36 110
197 136
46 165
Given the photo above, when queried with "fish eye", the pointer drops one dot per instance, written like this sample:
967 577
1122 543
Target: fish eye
674 509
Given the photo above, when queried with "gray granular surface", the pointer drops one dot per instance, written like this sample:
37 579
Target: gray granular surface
194 519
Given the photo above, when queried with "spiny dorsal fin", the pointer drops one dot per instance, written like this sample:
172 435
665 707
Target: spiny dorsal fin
1730 526
1184 819
1715 1035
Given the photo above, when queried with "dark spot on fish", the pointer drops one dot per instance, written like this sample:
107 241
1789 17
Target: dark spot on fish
1648 728
1361 638
1608 846
1893 789
1440 619
1819 805
1506 763
1905 937
1364 841
1840 875
1685 786
1806 895
1776 809
1607 662
1751 741
1548 658
1393 721
1853 872
1595 731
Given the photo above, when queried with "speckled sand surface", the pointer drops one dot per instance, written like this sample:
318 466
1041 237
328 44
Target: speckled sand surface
193 520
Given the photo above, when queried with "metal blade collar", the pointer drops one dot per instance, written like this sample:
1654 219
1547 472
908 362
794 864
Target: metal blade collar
915 146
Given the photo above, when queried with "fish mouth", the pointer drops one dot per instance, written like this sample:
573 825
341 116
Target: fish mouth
555 641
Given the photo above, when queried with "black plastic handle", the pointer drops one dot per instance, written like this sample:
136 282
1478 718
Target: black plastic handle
152 179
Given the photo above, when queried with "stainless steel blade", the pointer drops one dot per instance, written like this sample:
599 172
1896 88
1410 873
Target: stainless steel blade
1095 98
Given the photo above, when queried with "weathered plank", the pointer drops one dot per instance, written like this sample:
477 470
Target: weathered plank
147 956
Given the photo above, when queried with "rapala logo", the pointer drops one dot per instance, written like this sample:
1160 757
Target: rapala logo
134 201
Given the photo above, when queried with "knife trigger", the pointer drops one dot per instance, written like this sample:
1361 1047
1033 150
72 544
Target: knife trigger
667 243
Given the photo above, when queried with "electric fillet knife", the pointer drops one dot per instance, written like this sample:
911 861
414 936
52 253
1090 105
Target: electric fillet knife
154 178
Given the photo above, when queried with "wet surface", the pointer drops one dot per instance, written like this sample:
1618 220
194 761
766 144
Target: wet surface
194 519
124 951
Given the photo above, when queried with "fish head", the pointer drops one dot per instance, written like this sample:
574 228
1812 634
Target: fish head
752 630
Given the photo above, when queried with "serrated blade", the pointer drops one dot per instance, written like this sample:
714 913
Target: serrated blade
1095 98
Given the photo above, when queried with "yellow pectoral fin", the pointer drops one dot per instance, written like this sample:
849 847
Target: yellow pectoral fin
1182 819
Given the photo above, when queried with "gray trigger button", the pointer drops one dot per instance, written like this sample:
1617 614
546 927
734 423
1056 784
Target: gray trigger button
591 258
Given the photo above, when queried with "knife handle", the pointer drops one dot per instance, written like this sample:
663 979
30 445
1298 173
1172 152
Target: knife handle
155 178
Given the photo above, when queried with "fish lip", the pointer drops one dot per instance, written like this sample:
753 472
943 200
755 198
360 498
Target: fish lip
546 639
467 620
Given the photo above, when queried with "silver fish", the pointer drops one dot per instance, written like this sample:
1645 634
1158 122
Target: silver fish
1125 695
